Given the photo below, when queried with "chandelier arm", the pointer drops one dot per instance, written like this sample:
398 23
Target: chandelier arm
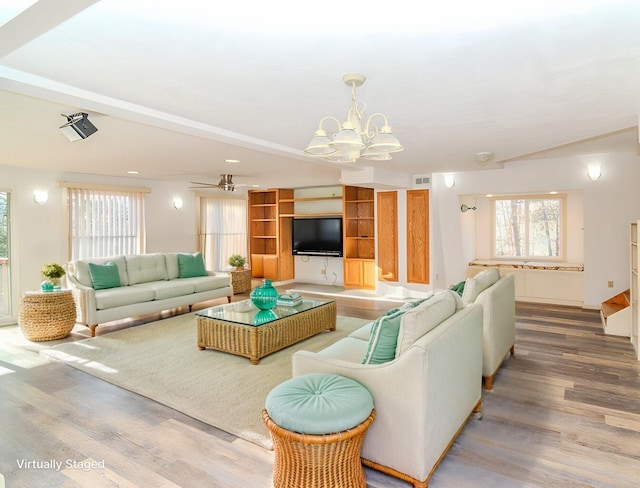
371 133
329 117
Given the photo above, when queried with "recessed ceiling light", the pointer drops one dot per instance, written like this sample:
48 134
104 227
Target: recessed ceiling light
231 160
133 172
484 157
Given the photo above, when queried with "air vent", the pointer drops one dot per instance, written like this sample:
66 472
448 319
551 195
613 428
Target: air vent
421 181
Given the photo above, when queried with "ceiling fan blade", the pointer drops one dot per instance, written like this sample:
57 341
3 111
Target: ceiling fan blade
209 185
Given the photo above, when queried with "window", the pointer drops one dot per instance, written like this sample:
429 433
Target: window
223 230
529 227
105 221
5 239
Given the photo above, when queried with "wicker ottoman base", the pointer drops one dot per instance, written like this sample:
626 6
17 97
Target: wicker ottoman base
317 461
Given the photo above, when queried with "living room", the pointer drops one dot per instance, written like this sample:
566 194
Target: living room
536 152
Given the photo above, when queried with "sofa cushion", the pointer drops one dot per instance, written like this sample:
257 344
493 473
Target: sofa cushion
363 333
319 403
384 338
167 289
417 322
143 268
191 265
121 296
477 284
81 267
171 261
104 275
207 283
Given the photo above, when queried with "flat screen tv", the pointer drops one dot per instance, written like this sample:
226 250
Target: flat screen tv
317 236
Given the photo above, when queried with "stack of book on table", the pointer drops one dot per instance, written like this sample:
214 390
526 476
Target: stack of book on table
289 299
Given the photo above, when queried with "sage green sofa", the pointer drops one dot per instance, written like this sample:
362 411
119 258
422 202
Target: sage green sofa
119 287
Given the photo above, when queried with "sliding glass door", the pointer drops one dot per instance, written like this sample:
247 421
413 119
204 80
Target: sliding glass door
5 281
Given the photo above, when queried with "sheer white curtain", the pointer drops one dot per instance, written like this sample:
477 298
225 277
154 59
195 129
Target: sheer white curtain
223 230
105 222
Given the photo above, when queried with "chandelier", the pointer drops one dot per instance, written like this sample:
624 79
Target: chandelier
353 141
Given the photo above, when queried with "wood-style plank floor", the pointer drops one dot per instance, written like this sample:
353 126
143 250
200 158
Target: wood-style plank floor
564 412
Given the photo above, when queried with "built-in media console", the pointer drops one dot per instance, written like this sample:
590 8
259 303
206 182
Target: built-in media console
317 236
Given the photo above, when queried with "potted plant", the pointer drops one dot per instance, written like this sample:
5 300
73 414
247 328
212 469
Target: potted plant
237 261
52 273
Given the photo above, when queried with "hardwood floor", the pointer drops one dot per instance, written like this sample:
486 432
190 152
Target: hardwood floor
564 411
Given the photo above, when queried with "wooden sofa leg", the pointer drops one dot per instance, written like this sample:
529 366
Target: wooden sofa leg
228 299
513 350
93 330
488 382
478 407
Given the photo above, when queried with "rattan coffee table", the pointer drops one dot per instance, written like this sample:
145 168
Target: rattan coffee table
240 328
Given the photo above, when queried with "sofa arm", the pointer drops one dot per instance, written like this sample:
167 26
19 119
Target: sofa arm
499 323
85 298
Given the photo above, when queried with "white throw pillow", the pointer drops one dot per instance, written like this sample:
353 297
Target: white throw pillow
426 316
479 283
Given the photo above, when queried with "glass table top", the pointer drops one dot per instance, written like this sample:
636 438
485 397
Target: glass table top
245 312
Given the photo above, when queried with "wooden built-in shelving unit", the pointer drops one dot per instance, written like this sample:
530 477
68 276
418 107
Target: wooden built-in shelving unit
271 213
359 237
269 235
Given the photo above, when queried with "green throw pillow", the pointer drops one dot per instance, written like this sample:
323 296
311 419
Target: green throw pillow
191 265
384 338
459 287
104 275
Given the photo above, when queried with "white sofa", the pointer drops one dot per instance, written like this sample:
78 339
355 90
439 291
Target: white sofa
149 283
497 297
425 395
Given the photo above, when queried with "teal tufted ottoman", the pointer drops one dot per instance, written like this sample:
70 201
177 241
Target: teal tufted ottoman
317 423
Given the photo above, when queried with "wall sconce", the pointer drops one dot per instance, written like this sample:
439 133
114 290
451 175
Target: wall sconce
465 208
40 197
177 203
594 172
449 179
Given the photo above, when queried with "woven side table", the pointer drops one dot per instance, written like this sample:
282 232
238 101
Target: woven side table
47 316
241 281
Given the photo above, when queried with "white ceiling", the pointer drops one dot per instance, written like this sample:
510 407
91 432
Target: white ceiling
175 93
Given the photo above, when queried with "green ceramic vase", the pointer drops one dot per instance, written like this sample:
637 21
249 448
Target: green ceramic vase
265 296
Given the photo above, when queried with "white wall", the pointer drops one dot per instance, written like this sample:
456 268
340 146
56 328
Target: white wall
36 236
609 205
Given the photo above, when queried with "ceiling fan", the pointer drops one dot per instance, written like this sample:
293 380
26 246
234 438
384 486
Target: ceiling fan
226 184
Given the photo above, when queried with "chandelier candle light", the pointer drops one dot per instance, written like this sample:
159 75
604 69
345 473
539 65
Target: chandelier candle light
352 141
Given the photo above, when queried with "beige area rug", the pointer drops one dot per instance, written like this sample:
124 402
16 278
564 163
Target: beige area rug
161 361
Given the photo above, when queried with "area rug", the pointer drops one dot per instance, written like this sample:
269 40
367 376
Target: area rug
161 361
